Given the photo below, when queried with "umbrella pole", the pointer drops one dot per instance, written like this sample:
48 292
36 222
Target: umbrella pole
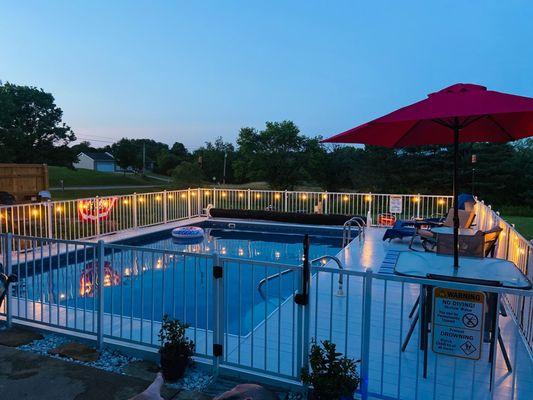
455 197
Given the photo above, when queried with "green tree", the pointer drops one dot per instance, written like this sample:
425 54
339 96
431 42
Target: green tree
31 127
273 154
166 161
127 154
180 151
188 174
211 159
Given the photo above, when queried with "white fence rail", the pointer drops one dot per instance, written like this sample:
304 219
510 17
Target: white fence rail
237 323
96 216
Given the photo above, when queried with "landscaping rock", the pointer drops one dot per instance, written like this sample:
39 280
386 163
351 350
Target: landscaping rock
248 391
75 351
15 337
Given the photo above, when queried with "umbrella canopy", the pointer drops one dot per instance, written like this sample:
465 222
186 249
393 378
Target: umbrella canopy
460 113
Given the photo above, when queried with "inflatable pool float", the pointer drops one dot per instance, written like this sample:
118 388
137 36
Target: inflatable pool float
188 234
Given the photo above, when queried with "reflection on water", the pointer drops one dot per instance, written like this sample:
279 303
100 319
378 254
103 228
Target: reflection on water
147 284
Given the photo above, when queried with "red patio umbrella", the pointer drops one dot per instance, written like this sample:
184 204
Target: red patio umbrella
457 114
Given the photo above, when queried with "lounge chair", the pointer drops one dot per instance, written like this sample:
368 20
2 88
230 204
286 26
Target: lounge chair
429 239
407 228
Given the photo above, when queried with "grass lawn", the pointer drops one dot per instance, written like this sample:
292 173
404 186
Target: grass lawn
524 225
79 194
85 177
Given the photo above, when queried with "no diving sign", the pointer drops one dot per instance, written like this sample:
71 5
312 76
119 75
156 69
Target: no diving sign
458 322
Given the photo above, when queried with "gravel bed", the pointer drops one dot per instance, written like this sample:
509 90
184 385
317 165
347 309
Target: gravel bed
113 361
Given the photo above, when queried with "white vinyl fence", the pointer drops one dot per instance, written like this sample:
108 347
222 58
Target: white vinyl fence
243 316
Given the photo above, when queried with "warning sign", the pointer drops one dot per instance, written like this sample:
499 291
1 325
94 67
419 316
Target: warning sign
395 204
458 322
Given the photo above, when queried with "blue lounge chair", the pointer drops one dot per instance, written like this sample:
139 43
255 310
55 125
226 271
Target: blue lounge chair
407 228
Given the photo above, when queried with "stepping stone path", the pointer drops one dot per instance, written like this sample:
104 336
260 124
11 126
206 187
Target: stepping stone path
16 337
76 351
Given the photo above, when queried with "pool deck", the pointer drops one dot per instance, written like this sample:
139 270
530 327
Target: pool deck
393 373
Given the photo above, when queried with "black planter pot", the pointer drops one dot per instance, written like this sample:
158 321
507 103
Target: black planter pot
172 366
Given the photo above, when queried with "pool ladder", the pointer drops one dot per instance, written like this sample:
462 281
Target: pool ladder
340 290
359 222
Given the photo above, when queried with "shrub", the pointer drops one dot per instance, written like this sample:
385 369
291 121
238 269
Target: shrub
332 375
173 340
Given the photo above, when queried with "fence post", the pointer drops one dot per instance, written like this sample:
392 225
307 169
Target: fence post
365 340
285 201
189 203
49 219
249 200
214 196
9 304
165 210
218 329
418 201
134 208
97 205
100 294
199 201
325 208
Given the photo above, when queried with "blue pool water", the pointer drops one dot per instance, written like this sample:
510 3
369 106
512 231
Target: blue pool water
145 284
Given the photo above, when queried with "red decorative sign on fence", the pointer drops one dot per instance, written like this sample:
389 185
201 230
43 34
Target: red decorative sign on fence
93 209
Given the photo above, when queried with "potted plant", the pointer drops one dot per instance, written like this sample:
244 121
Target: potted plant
332 376
176 350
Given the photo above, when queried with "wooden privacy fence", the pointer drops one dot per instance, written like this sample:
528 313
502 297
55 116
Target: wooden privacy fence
23 180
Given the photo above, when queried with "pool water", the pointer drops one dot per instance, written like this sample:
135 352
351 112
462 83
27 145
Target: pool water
145 284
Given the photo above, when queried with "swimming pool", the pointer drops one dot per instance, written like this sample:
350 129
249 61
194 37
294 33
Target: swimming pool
152 275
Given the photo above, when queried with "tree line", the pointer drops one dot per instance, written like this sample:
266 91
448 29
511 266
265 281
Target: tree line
31 130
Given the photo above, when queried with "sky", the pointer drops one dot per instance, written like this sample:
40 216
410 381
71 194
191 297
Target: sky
192 71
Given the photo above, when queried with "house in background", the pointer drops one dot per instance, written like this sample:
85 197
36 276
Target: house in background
103 162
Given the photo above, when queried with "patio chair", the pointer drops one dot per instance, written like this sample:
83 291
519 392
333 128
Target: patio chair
429 239
482 244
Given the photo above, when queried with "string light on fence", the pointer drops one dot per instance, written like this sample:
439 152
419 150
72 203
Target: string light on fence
158 198
59 209
183 195
241 195
141 199
416 199
368 198
277 196
207 194
193 194
257 196
325 196
125 202
345 198
35 212
224 194
304 197
440 202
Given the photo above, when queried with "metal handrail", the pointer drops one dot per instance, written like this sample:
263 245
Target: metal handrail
347 230
269 278
340 291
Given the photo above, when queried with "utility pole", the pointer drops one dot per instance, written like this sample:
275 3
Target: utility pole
144 157
224 171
